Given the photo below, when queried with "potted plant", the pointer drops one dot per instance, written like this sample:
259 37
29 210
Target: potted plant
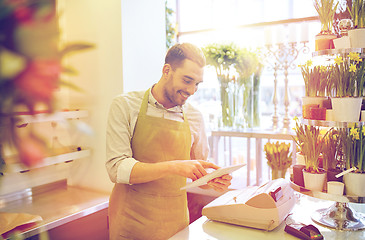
331 153
316 82
354 149
311 141
279 158
224 57
357 34
342 24
347 83
326 10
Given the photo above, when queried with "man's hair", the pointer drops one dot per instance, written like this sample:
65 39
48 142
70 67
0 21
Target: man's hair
179 52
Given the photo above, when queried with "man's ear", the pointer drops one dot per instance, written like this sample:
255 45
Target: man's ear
166 69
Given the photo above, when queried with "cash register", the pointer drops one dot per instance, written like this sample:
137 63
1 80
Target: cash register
262 207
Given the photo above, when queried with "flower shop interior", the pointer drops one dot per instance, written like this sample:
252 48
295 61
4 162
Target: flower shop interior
278 80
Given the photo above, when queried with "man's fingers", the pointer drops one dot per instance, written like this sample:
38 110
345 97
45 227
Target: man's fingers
206 164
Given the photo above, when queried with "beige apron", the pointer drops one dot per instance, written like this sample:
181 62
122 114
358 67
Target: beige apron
157 209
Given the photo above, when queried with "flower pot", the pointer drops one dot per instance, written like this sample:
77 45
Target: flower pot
342 42
307 110
314 100
298 175
331 175
278 173
357 37
314 181
324 41
354 184
329 115
300 158
346 109
334 187
362 116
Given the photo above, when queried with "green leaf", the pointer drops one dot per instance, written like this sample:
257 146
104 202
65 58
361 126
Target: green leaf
75 47
70 85
69 70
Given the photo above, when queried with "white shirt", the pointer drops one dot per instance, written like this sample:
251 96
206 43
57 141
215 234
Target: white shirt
122 119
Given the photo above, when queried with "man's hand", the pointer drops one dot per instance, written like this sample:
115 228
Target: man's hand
221 183
192 169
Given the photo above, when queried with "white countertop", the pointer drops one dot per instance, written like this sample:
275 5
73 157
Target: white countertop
206 229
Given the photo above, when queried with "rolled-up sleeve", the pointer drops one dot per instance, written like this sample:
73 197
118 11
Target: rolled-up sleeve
119 161
199 147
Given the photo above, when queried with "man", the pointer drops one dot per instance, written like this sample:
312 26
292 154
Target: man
154 142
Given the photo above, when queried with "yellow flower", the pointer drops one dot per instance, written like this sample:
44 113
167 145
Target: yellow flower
363 131
338 60
323 69
352 68
354 56
295 118
309 63
354 133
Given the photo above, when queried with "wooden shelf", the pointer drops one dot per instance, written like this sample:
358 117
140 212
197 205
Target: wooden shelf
12 166
53 117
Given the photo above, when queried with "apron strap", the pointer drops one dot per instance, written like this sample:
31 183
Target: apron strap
143 109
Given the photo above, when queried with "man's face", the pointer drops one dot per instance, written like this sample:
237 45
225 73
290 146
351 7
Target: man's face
182 83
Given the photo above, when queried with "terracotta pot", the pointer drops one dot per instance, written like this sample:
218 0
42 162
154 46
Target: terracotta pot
324 41
314 100
314 181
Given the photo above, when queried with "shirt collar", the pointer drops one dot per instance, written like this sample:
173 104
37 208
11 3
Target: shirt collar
153 101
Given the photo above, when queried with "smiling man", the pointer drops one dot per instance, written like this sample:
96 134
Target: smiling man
155 140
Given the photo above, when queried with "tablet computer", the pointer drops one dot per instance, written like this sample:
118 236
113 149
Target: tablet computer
216 173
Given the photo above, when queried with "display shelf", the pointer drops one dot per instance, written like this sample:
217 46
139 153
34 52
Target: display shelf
12 166
341 51
340 215
51 117
326 196
322 123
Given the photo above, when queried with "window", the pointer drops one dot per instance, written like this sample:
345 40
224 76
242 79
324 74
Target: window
246 23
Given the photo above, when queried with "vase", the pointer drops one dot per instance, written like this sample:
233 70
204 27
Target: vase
357 37
314 181
278 173
346 109
256 101
247 101
226 104
354 184
324 41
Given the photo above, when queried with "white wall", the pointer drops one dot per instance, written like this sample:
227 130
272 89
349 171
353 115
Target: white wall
143 38
130 46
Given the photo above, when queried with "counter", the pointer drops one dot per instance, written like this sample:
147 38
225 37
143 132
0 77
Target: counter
206 229
58 205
